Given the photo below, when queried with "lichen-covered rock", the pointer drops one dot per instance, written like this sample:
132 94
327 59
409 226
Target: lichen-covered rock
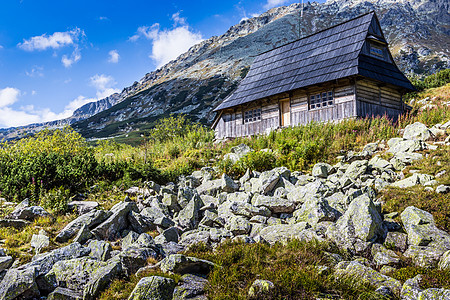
100 250
386 257
64 294
301 193
321 170
443 189
73 273
367 275
29 213
248 210
237 152
315 210
424 257
444 263
356 169
39 241
89 219
396 240
284 232
82 207
413 180
111 228
83 235
400 145
5 262
276 205
154 287
411 288
181 264
188 217
19 283
260 287
361 221
194 237
239 225
417 131
140 223
102 277
190 287
227 184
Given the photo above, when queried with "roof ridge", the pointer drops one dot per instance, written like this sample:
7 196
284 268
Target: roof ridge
317 32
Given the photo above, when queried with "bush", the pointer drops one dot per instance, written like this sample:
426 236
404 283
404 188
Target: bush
56 200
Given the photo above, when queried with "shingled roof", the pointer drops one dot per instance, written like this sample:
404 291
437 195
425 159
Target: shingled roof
327 55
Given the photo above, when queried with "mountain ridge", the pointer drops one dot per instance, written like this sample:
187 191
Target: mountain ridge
418 32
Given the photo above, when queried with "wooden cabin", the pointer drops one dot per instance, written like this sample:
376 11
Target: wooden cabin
345 71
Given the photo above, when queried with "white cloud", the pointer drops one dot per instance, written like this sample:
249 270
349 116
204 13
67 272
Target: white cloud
1 47
36 71
274 3
8 96
77 103
74 57
55 41
104 85
102 18
33 93
168 44
113 56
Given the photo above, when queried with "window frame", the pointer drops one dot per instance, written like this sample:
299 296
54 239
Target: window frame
252 115
314 104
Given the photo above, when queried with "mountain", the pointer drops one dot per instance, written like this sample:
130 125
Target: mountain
418 32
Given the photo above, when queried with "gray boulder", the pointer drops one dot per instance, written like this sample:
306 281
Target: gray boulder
100 250
248 210
29 213
399 145
260 287
276 205
140 223
190 287
101 278
316 210
227 184
83 235
89 219
82 207
181 264
443 189
154 287
237 152
284 232
321 170
413 180
111 228
64 294
5 262
188 217
356 169
444 263
302 193
194 237
417 131
39 241
19 283
239 225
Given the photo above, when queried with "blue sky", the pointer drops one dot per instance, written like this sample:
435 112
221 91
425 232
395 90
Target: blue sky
56 55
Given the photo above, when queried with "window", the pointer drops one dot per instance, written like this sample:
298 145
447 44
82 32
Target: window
376 51
252 115
320 100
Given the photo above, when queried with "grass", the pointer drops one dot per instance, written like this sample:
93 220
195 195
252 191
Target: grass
290 267
433 278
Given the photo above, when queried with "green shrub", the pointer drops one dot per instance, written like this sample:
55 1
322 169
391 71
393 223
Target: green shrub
56 200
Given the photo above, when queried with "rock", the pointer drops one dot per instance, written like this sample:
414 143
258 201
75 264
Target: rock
248 210
5 262
19 283
367 275
268 180
181 264
171 248
154 287
100 250
443 189
444 263
17 224
64 294
385 292
276 205
163 223
140 223
39 241
361 221
111 228
321 170
424 257
379 164
190 287
396 241
434 294
421 228
386 257
83 235
101 278
237 152
239 225
371 148
89 219
259 288
168 235
413 180
283 232
129 239
417 131
188 216
45 261
411 289
73 274
399 145
315 210
82 207
28 213
227 184
194 237
209 187
356 169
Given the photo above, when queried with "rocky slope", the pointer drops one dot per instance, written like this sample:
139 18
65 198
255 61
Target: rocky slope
339 204
194 83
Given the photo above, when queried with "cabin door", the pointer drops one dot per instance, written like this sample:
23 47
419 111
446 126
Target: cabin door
285 113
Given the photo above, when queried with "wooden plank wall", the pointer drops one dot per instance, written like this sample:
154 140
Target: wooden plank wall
374 100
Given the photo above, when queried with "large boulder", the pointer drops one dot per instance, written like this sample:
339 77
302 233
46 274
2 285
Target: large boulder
190 287
5 262
284 232
100 250
25 212
302 193
227 184
111 228
413 180
276 205
237 152
361 221
19 284
181 264
89 219
316 210
356 169
188 217
64 294
248 210
417 131
39 241
101 278
154 288
400 145
367 275
321 170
